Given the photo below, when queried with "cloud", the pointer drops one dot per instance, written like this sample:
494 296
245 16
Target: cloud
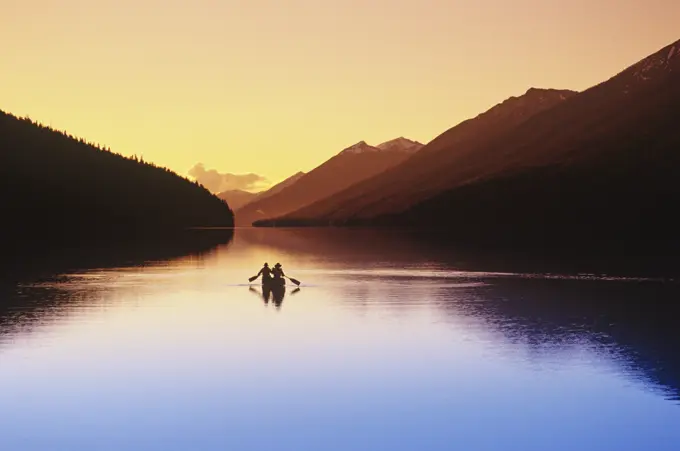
217 182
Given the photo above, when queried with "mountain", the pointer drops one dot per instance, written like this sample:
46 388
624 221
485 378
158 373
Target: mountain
401 144
57 187
428 171
598 170
348 167
279 186
237 198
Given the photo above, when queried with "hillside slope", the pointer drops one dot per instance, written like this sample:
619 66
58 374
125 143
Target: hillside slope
279 186
237 198
428 171
598 170
601 168
56 187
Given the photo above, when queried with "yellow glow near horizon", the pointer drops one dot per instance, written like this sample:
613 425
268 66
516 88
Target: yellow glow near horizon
275 87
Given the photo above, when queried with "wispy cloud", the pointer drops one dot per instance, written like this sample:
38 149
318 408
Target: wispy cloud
217 182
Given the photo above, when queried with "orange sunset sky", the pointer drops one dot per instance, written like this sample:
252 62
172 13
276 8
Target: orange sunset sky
274 87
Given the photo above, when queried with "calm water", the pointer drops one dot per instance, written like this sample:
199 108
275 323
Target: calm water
389 344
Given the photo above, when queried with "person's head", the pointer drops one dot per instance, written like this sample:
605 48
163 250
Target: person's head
278 265
266 265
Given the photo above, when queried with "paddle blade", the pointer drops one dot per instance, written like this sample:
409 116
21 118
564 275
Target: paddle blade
295 281
252 278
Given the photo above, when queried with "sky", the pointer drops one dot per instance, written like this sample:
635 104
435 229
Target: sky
271 87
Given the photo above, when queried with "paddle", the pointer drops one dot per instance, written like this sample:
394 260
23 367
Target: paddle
295 281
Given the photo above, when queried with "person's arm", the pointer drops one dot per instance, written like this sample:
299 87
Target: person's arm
259 274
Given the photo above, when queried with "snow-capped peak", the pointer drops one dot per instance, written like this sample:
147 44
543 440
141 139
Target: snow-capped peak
396 145
359 147
401 144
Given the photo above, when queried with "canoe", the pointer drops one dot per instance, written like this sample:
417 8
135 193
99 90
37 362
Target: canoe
274 283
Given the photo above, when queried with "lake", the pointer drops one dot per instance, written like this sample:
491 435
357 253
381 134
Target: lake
390 343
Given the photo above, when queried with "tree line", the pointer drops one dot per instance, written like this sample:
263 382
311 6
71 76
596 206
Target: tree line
56 186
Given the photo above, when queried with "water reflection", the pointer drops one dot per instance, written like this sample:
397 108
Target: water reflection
633 323
625 310
390 343
46 286
275 294
405 248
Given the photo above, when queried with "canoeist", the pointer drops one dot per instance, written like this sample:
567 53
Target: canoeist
274 277
266 274
278 273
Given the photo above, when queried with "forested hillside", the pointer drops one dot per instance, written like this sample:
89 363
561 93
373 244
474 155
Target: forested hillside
56 187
